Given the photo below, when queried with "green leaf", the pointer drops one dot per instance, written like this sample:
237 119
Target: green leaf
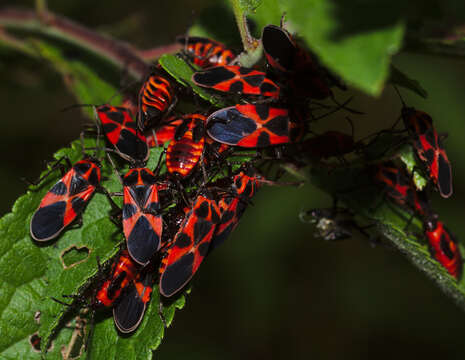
182 72
397 77
353 39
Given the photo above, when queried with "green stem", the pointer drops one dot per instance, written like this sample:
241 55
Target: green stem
120 54
248 41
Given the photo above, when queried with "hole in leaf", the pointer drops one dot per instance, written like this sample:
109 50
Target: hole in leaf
74 256
37 317
35 340
76 346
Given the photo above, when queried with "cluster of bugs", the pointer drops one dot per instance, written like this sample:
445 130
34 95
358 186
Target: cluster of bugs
398 186
174 215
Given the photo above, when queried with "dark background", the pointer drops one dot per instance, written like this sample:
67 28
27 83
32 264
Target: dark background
271 291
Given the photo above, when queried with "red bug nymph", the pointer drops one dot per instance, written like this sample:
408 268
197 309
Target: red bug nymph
206 52
185 150
156 98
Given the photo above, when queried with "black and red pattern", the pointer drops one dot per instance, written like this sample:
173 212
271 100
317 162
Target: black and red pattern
121 131
66 200
182 258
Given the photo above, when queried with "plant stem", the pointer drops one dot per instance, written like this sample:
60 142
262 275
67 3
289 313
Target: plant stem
120 54
248 41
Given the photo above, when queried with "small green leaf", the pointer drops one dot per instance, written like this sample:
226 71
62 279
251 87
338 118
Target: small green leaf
397 77
249 6
182 72
408 157
354 40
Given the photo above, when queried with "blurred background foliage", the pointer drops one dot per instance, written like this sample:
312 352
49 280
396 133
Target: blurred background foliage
272 290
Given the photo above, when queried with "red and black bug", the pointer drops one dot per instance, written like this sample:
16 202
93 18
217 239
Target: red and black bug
190 245
165 133
429 148
206 52
279 48
254 126
443 246
156 98
232 206
65 200
399 187
142 224
129 311
123 272
121 131
126 289
237 80
185 150
294 65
